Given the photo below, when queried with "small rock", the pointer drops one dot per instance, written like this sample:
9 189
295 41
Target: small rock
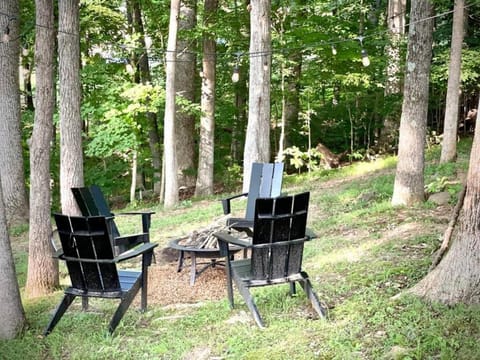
441 198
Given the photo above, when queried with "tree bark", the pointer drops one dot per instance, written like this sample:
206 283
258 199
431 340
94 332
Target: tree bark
204 184
11 311
456 279
170 158
42 276
257 141
11 152
185 87
71 155
409 179
396 29
450 126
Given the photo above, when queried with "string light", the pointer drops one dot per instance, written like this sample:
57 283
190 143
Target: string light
365 59
236 68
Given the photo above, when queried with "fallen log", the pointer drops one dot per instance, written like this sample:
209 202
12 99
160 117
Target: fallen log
329 159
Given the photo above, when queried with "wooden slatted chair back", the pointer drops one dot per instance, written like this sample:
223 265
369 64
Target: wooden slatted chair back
279 220
92 202
265 181
87 250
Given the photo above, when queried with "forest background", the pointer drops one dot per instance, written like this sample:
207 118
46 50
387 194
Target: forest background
321 93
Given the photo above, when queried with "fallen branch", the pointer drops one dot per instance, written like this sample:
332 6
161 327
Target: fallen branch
448 233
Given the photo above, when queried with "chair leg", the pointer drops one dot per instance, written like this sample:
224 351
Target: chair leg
123 307
62 307
143 300
293 290
307 287
229 281
250 303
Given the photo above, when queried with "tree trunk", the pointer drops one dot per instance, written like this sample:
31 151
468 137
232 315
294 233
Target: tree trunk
42 276
450 126
204 184
145 78
170 158
11 311
409 180
240 120
11 152
257 141
185 87
71 156
456 279
396 28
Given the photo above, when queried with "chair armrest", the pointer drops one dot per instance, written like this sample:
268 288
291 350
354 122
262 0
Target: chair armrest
229 239
226 203
132 239
143 213
142 249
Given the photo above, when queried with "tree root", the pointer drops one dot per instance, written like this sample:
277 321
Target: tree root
448 233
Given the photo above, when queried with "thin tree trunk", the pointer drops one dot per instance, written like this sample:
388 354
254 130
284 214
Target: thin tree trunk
257 142
42 276
396 28
11 311
409 178
11 152
204 184
450 126
170 158
146 78
71 155
185 87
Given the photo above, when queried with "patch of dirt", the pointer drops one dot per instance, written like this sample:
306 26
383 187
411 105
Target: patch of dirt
166 286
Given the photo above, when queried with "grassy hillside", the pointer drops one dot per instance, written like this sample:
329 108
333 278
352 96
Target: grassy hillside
366 253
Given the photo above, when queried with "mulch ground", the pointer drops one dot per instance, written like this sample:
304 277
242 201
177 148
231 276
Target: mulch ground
166 286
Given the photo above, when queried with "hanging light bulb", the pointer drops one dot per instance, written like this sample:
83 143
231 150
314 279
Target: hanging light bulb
365 59
236 74
334 50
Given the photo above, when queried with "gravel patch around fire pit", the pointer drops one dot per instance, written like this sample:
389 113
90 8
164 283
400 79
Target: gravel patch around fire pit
166 286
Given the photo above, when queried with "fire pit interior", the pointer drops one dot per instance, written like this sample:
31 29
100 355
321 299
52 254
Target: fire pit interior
199 244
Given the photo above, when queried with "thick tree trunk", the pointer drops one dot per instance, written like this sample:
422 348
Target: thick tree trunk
71 155
42 276
170 158
257 141
204 184
11 153
456 279
11 311
396 28
185 87
450 126
409 180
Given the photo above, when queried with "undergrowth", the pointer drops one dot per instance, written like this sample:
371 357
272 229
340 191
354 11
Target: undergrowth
365 253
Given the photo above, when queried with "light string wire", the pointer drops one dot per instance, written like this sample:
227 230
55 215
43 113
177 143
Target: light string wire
160 52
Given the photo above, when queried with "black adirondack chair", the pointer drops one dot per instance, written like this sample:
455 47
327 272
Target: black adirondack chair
92 202
265 181
92 266
276 251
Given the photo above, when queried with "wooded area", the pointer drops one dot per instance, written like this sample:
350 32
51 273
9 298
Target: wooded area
308 75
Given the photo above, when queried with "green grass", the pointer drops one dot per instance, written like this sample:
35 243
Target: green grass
366 252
